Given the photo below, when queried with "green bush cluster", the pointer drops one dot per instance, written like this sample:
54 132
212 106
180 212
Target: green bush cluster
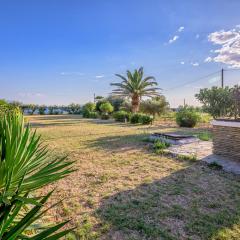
141 118
106 109
187 117
88 114
88 110
159 146
121 116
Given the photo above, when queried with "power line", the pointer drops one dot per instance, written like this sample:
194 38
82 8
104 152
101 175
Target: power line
232 69
196 80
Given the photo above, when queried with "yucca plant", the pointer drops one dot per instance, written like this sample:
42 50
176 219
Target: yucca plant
25 166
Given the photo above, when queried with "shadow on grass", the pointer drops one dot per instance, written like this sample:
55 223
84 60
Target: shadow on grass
54 117
54 124
194 203
119 142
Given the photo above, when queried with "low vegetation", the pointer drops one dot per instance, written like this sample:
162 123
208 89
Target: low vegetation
123 190
121 116
187 117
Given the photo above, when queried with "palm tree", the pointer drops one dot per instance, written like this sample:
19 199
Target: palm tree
135 87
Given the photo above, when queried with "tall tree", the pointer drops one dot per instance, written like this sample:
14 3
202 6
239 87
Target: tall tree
135 86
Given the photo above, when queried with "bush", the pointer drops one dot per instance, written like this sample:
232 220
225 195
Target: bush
141 118
135 118
205 136
105 116
121 116
146 119
87 114
88 110
159 146
99 103
106 108
187 117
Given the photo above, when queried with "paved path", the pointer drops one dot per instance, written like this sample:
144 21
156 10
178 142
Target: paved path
203 151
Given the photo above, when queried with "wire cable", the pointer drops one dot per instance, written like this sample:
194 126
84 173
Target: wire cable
196 80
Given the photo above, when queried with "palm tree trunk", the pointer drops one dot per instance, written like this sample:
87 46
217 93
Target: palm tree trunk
135 103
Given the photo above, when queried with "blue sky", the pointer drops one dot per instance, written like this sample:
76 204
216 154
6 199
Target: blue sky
63 51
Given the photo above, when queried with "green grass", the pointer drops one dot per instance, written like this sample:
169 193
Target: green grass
123 190
205 136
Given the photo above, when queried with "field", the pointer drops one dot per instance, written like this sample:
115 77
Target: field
122 190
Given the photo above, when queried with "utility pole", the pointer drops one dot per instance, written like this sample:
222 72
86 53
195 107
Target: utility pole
222 78
94 98
184 102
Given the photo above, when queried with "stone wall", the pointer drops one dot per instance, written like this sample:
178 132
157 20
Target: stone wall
226 140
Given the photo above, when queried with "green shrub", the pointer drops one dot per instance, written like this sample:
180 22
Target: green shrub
88 114
146 119
204 136
141 118
159 146
121 116
26 166
105 116
106 108
187 117
93 115
88 110
191 157
89 107
99 103
135 118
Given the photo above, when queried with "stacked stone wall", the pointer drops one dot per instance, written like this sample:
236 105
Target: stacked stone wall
226 141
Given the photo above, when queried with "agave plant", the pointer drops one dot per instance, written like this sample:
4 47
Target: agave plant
25 166
135 87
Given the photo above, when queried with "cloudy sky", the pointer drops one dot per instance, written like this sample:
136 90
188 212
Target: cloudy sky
63 51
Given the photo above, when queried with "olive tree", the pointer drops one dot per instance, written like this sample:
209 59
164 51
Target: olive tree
216 101
156 106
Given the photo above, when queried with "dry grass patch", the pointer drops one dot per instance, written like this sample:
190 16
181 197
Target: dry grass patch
122 190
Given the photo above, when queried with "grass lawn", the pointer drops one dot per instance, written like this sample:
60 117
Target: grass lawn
122 190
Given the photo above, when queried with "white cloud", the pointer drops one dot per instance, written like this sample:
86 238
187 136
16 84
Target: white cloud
195 64
229 50
182 62
181 29
99 76
172 40
208 59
